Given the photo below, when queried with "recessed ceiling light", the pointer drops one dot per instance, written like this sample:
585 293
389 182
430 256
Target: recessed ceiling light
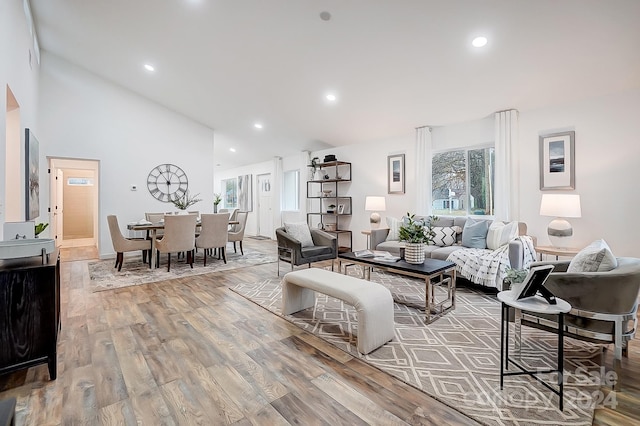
325 16
149 67
232 149
331 97
479 41
258 125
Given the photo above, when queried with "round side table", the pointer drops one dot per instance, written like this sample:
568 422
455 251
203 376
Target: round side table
556 251
538 305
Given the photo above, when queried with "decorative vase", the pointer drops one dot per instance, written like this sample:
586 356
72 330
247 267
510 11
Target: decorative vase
215 208
414 253
182 212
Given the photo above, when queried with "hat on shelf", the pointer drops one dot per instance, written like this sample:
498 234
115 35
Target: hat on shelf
330 157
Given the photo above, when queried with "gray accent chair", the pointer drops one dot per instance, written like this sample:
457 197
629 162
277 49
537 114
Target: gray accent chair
290 250
604 305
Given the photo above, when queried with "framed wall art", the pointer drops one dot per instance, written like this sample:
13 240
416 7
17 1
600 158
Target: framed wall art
245 196
395 174
557 161
32 175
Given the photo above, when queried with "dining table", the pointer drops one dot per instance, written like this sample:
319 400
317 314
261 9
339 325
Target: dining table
152 230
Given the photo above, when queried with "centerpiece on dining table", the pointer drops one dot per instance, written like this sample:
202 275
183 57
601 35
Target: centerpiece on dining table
186 201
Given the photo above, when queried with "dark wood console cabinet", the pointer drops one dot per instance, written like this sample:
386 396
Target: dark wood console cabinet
29 313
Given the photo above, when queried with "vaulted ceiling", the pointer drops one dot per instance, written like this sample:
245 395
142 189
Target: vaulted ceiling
393 65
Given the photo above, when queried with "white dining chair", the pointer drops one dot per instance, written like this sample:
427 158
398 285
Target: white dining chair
122 244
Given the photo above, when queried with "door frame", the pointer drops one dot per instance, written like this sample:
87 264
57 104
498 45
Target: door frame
259 213
57 164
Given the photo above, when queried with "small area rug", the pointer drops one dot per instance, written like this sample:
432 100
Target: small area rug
103 276
455 359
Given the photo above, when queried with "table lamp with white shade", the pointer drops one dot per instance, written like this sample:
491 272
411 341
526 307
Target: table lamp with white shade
560 206
375 204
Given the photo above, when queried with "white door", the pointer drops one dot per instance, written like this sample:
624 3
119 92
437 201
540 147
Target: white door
265 206
55 219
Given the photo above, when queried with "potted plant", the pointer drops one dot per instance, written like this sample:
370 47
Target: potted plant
40 227
216 200
186 201
331 208
416 234
513 277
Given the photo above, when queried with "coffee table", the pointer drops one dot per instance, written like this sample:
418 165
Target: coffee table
434 272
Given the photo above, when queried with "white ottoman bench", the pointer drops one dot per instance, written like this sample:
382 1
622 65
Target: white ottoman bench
372 301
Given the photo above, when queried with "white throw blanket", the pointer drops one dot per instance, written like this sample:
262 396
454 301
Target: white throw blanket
488 267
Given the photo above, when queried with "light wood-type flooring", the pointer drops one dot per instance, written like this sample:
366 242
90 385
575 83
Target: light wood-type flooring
190 351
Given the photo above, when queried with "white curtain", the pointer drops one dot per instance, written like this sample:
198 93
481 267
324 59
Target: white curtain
423 171
507 182
278 181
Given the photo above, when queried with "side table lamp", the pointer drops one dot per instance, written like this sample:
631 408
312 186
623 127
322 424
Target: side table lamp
375 204
560 206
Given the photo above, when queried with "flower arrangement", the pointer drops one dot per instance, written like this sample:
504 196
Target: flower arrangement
216 199
186 201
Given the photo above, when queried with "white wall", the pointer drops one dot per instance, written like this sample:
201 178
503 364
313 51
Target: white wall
22 77
86 117
607 148
607 168
369 177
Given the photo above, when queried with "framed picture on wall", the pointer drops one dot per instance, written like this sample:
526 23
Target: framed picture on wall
32 175
395 174
557 161
245 196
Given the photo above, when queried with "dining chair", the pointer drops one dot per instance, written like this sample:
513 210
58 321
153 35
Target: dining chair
213 234
155 218
237 232
179 236
122 244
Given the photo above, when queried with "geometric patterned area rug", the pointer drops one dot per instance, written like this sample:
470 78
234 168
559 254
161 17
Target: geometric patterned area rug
104 276
456 359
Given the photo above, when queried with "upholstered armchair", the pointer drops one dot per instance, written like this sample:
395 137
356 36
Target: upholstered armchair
293 251
603 304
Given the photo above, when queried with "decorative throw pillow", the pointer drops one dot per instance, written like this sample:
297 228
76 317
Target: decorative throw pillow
300 231
501 233
474 233
596 257
445 235
394 226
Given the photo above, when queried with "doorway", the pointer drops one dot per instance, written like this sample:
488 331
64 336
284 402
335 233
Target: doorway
74 186
265 206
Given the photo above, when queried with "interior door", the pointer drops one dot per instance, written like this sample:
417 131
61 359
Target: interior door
56 209
265 206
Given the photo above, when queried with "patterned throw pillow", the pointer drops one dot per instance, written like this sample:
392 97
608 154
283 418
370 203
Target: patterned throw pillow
501 233
596 257
445 235
300 231
394 226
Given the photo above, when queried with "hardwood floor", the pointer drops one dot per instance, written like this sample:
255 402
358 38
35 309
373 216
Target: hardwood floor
190 351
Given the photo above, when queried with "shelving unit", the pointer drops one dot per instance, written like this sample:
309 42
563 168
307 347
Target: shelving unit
331 180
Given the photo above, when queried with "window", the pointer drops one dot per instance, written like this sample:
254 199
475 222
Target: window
462 182
291 191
